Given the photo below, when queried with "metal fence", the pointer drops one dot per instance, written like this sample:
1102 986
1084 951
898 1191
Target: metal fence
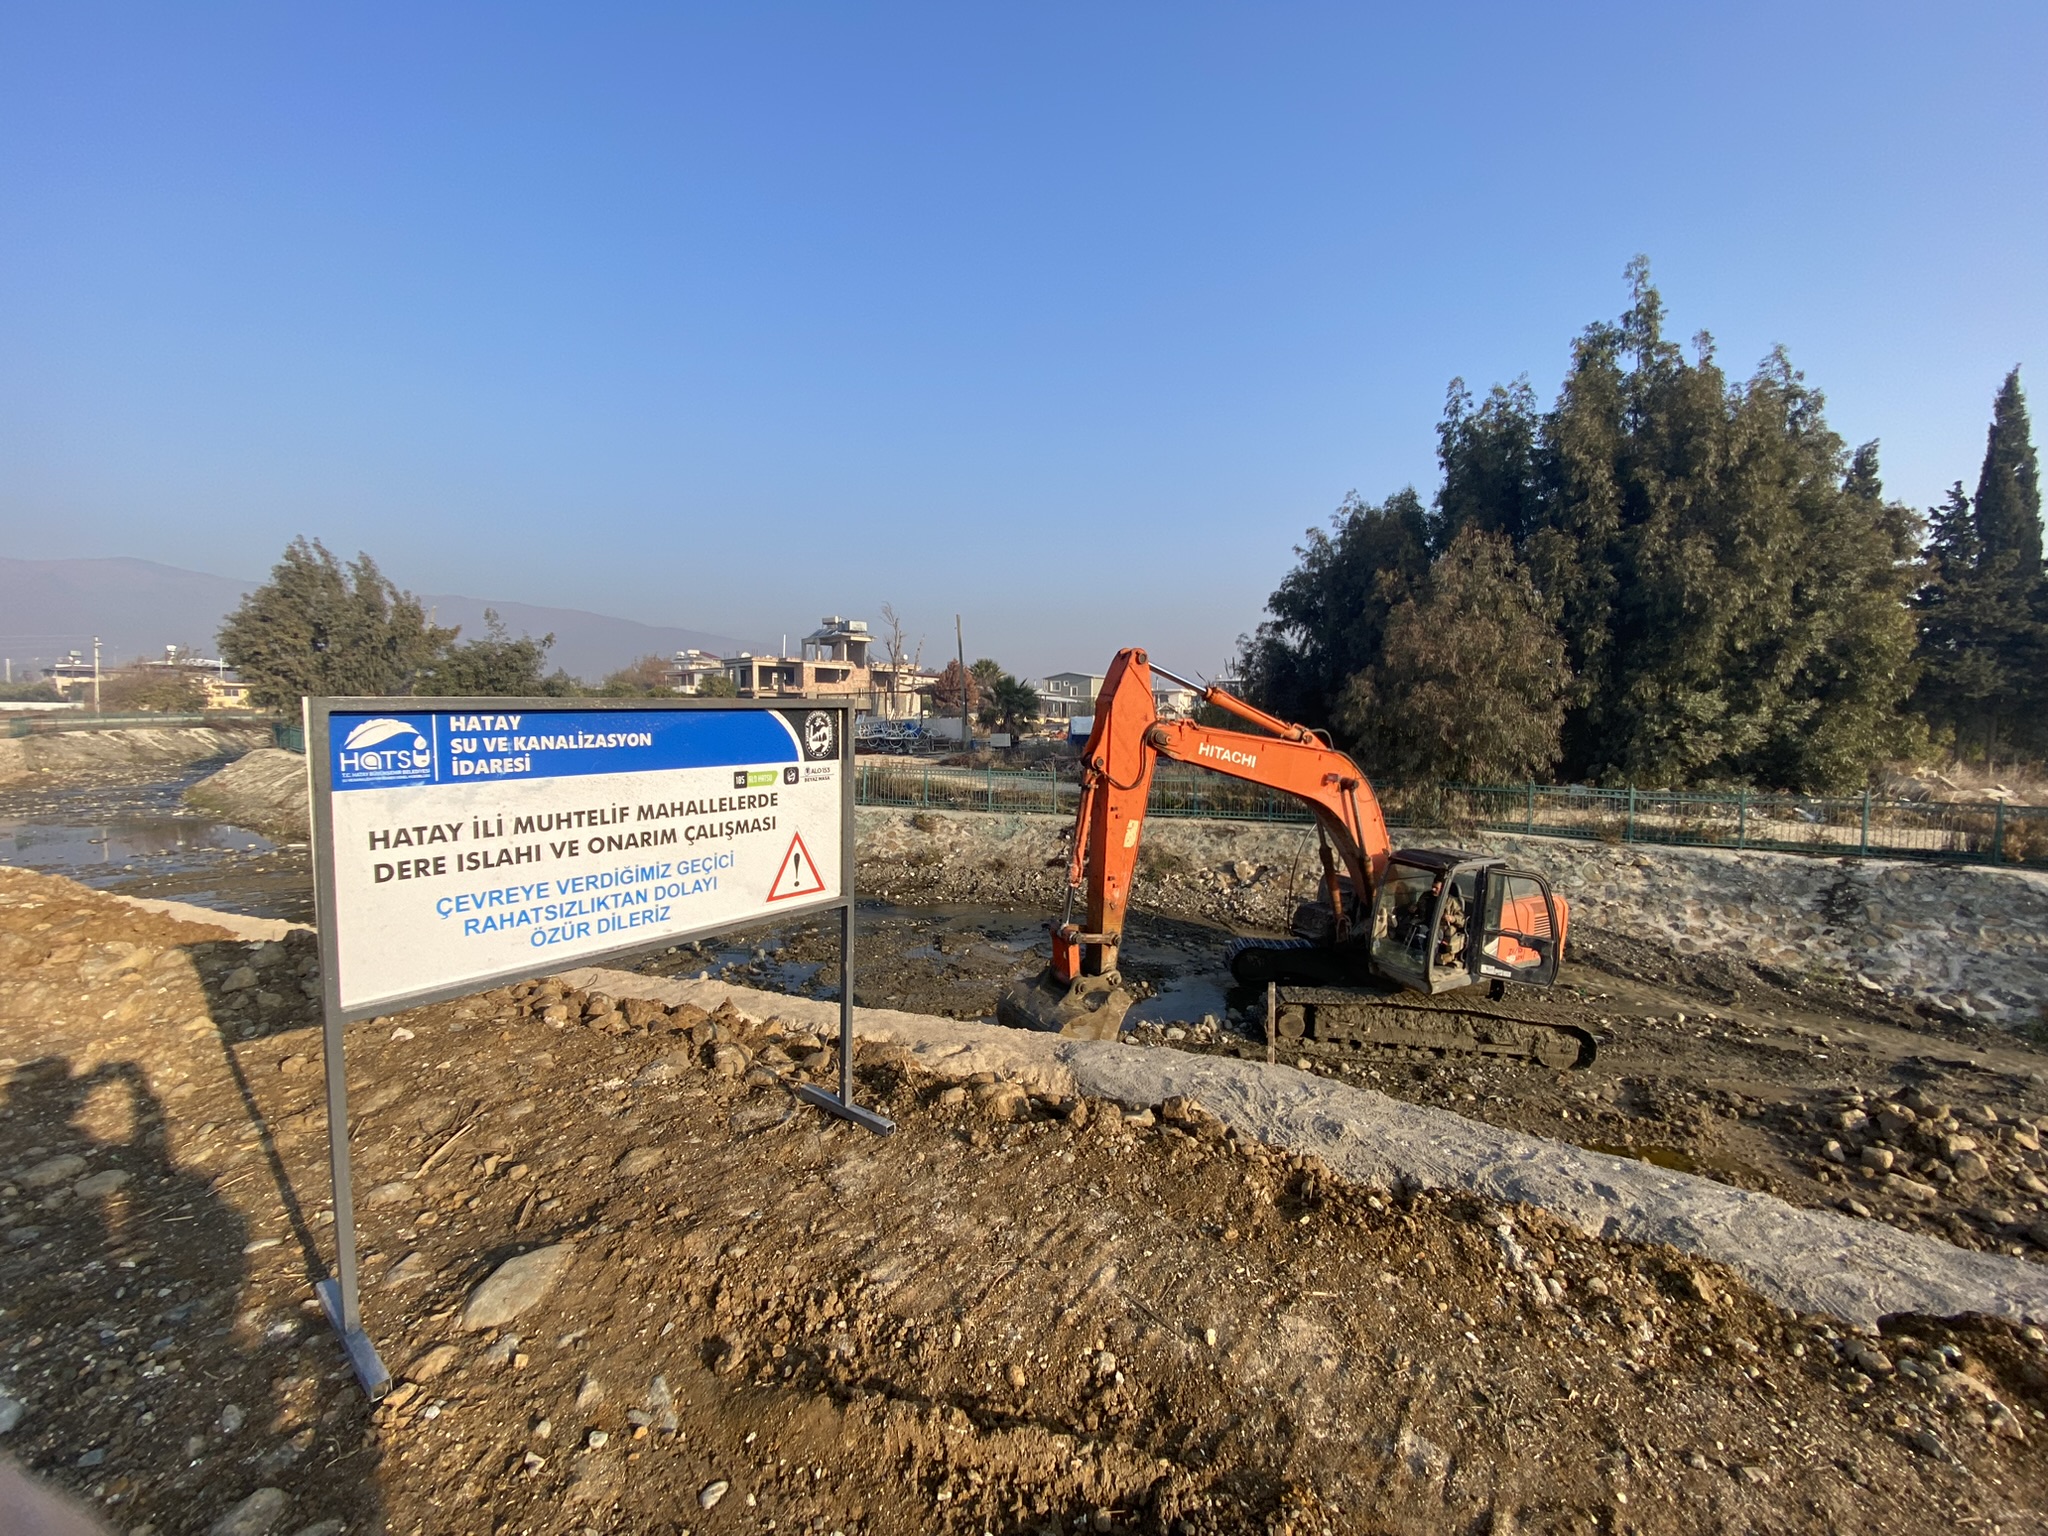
1176 792
1853 825
1865 825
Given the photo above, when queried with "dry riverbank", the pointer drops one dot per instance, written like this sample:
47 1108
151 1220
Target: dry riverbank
1132 1320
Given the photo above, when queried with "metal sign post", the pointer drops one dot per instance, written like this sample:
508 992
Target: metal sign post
488 841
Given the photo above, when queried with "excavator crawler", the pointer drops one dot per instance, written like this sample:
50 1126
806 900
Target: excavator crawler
1390 932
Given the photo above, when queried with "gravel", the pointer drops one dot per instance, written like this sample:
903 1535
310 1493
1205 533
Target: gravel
1809 1260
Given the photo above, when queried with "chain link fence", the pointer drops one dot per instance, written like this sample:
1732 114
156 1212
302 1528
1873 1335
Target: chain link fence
1865 825
1187 792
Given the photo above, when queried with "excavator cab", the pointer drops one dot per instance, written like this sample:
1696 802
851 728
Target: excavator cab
1444 918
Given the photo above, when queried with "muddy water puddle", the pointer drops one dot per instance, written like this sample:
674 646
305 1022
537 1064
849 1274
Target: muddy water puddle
953 960
142 840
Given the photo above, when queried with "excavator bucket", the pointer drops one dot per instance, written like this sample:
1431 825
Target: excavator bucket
1088 1008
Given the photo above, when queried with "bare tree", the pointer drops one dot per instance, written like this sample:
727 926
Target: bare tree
893 647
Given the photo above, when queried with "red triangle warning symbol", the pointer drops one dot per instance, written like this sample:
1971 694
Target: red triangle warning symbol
799 873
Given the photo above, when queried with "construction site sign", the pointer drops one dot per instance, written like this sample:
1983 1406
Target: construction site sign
481 841
485 840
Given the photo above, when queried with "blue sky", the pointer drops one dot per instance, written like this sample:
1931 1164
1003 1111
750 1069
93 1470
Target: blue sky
1069 318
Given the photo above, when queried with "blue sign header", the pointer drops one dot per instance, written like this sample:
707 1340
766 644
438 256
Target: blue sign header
373 751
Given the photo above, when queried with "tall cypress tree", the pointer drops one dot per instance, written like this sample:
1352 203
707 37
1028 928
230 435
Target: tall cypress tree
1983 604
2009 576
2008 520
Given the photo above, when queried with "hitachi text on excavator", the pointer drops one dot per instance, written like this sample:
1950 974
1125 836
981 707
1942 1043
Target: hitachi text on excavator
1388 933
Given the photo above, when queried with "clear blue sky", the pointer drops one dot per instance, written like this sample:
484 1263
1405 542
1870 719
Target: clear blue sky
1067 317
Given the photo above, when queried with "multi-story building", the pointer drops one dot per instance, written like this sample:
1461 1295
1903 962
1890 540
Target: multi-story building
1069 695
834 662
690 668
224 691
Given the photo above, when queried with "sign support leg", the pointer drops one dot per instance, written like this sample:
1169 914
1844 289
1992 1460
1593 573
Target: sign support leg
842 1103
338 1295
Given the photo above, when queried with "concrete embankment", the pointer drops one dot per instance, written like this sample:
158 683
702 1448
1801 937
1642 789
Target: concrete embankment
1967 938
65 755
1808 1260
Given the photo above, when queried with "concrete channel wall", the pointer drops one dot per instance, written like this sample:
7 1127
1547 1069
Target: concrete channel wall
1964 937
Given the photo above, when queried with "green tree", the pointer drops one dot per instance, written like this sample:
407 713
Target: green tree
1729 580
1726 576
1983 600
496 666
1011 705
717 686
1471 682
1329 613
319 627
1957 673
646 677
2009 489
2012 596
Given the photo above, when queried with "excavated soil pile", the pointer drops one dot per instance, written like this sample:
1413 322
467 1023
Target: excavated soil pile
628 1283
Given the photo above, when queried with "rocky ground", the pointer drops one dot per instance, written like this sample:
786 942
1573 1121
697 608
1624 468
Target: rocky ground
628 1283
76 756
1821 1092
264 789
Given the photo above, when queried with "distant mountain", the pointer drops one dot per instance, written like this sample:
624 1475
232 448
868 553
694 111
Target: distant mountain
588 645
137 607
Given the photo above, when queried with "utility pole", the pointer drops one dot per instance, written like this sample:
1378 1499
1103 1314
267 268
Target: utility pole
966 741
95 674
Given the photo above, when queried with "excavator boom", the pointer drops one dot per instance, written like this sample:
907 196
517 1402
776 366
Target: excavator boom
1116 780
1432 920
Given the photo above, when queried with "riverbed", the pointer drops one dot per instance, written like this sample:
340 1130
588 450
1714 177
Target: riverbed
141 839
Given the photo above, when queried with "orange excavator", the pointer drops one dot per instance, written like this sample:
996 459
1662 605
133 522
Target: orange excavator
1386 925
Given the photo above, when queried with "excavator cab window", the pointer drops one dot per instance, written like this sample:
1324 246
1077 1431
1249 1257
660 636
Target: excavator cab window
1403 913
1423 920
1451 949
1518 936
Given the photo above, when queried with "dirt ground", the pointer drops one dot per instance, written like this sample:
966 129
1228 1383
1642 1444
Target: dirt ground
1706 1064
1010 1316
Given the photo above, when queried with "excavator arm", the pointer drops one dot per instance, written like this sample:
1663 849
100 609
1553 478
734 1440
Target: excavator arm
1117 766
1440 919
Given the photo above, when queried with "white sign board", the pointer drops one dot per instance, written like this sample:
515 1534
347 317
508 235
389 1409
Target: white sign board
466 845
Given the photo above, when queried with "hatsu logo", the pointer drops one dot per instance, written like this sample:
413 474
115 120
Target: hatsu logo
385 750
1228 755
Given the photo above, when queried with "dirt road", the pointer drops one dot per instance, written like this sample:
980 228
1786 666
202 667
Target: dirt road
1011 1316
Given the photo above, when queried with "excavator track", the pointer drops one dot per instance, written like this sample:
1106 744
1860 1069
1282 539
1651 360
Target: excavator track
1365 1019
